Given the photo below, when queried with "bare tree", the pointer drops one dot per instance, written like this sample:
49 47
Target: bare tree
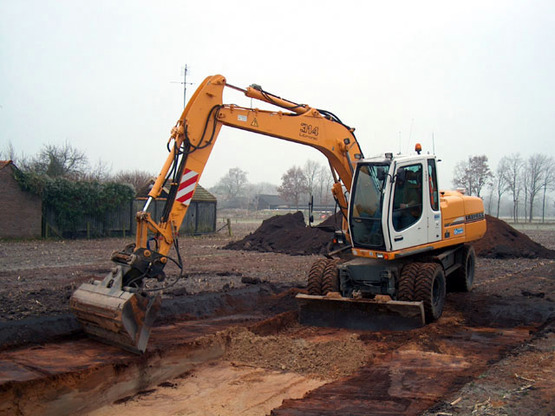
100 172
325 182
8 153
293 185
233 184
500 180
319 181
536 167
548 182
136 178
310 170
473 174
512 173
58 161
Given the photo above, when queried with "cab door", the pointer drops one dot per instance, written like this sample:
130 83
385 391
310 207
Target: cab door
434 213
408 217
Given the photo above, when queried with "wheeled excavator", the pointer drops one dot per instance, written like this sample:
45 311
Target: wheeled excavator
406 241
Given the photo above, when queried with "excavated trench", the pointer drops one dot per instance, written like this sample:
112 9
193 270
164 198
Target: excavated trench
328 371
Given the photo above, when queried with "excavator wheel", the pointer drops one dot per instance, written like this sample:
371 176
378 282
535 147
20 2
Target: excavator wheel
407 281
463 278
430 289
324 309
314 285
330 278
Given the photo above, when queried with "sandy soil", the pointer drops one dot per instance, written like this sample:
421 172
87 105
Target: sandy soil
217 389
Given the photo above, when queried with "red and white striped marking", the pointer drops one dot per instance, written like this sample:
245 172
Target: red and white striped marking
187 187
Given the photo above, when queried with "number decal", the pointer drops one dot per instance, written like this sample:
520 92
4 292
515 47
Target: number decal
308 131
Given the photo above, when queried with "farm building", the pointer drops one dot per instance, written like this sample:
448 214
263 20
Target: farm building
20 211
263 201
200 217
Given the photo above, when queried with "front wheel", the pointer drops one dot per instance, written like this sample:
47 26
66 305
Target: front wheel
330 278
314 284
430 289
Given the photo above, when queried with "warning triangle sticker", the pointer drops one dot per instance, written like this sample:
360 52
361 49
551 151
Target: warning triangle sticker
254 123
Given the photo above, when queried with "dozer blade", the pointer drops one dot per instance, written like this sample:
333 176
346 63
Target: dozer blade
113 315
365 314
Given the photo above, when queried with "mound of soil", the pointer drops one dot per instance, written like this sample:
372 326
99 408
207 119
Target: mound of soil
326 359
502 241
287 234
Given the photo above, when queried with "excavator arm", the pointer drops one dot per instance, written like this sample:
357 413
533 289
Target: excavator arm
118 309
196 132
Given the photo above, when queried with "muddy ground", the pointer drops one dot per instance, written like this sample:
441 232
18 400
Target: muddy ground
499 338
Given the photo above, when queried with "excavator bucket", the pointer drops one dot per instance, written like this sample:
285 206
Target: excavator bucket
114 315
365 314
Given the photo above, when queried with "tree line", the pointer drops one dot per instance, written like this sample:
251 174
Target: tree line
297 185
66 161
522 183
526 181
74 192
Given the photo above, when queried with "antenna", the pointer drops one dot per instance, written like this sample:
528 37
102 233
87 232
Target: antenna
410 132
184 83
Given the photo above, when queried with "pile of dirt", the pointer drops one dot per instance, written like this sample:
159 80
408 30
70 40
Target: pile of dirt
325 359
288 234
502 241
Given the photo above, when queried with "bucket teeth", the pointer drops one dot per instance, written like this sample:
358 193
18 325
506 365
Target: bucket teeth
113 315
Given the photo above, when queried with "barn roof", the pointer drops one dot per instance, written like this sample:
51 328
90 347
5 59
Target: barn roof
4 163
201 194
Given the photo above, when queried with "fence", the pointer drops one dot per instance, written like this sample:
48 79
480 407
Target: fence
200 219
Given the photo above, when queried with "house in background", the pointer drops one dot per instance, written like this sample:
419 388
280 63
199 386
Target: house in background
20 211
263 201
200 217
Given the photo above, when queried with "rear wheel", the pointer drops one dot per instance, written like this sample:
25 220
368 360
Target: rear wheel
430 289
463 278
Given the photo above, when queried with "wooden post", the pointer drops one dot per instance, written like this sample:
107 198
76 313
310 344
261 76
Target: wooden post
229 226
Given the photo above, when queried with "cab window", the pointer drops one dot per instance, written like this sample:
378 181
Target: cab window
407 199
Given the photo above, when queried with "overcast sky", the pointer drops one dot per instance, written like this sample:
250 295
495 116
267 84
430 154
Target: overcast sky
478 76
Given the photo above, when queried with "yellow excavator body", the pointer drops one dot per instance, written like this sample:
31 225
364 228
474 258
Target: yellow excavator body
120 310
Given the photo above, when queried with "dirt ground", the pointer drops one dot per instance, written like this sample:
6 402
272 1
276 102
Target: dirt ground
509 315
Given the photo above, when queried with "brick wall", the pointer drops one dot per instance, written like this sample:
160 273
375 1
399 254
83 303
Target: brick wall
20 212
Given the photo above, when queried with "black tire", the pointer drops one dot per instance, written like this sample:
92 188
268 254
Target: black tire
314 284
407 280
463 278
430 288
330 278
